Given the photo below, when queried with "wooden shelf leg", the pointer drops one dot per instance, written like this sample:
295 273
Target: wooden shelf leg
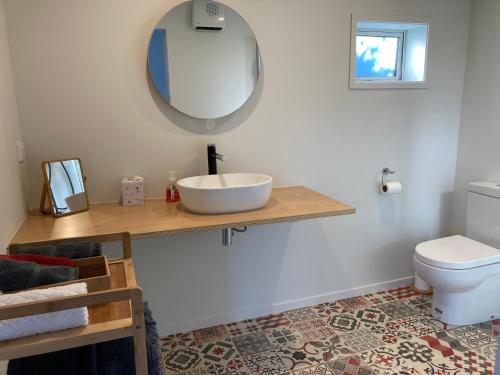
141 359
126 245
44 197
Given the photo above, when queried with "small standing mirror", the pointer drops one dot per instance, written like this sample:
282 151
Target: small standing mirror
64 187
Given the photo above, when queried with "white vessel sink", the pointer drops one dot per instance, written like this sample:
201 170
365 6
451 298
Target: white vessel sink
225 193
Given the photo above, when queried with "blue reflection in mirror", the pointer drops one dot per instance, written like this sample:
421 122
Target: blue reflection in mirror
158 62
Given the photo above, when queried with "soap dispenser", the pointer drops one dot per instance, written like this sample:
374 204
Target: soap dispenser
172 191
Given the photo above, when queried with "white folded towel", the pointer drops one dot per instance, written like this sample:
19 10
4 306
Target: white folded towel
42 323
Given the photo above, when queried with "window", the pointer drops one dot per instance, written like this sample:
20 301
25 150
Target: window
379 55
388 53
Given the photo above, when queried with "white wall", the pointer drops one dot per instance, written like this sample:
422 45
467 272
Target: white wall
479 151
12 205
89 96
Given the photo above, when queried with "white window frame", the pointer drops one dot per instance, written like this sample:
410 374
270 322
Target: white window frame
357 83
400 34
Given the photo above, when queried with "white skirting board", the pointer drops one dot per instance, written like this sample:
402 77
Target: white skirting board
209 321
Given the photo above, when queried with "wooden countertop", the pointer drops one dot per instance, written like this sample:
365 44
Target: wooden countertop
157 218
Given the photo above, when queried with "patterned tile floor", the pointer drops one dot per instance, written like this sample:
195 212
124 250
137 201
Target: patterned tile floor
385 333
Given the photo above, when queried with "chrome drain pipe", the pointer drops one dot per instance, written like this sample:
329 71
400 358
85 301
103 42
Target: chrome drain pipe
227 236
228 233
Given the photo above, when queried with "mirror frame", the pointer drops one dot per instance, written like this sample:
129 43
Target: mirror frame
46 192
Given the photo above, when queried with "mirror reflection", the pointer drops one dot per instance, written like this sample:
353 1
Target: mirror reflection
66 186
203 59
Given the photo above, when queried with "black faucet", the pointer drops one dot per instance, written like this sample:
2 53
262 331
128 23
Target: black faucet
212 158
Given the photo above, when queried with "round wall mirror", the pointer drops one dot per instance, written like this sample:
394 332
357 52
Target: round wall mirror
203 59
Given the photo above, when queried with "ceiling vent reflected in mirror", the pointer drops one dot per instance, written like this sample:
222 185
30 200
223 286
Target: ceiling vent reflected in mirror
206 72
208 15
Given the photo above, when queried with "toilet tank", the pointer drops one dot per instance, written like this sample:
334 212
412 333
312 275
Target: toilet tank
483 212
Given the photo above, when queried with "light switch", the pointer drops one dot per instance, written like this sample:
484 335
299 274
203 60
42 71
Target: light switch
21 152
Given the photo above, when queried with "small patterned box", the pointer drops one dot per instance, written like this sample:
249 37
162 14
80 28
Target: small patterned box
133 191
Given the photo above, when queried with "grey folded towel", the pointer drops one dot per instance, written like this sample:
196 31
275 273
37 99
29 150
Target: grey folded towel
75 250
17 275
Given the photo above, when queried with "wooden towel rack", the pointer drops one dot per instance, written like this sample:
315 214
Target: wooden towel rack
113 314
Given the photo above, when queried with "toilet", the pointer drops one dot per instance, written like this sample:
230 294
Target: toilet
465 271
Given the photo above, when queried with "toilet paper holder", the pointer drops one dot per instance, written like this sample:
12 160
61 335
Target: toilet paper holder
389 187
386 172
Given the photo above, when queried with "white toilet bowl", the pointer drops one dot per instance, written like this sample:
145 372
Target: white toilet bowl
465 275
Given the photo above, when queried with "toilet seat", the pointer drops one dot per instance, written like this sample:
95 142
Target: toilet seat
456 253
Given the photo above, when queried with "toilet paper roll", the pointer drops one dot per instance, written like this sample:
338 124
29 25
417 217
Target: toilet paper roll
392 187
